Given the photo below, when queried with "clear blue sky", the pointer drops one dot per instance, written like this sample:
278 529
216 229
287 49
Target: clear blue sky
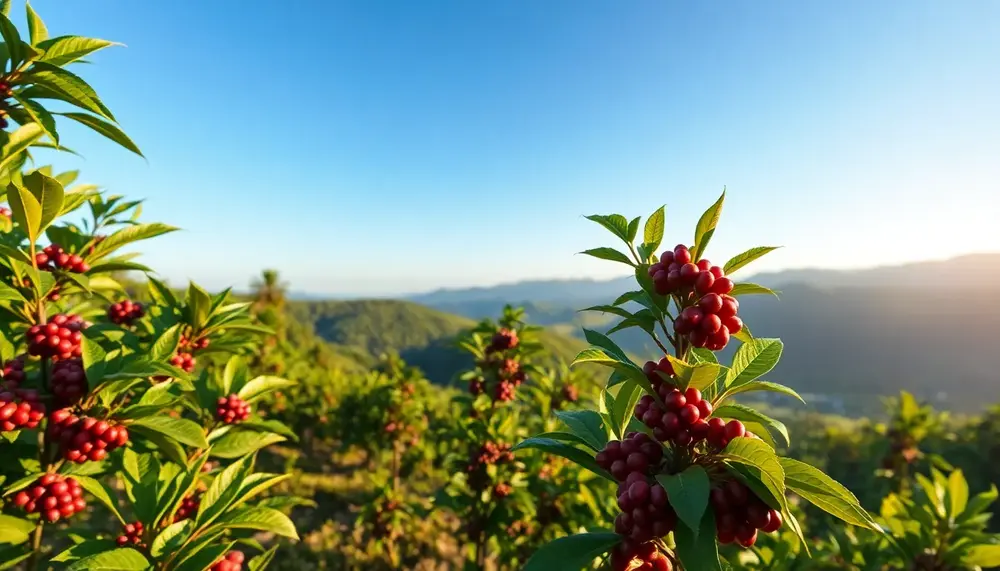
375 146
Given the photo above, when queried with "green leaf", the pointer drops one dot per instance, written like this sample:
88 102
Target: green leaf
706 227
25 210
760 457
573 552
604 342
8 293
67 49
94 359
5 7
171 538
49 194
124 559
36 27
260 519
764 386
984 556
753 359
826 493
238 443
580 457
652 234
129 235
740 260
199 304
179 429
109 130
261 562
958 492
17 143
614 223
633 229
41 116
587 424
596 356
68 85
14 530
747 414
99 491
609 254
260 386
223 491
698 551
751 289
624 405
12 39
688 494
85 549
609 309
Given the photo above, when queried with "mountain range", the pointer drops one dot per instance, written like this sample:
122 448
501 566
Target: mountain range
928 327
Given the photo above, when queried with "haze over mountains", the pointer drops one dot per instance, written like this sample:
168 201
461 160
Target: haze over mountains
930 327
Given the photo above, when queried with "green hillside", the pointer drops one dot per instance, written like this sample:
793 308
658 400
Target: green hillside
424 337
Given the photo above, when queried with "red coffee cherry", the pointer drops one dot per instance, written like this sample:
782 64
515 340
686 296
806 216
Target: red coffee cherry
503 340
83 439
504 391
188 508
20 409
58 338
232 409
682 255
233 561
53 257
53 496
13 372
502 490
131 535
125 312
184 361
68 382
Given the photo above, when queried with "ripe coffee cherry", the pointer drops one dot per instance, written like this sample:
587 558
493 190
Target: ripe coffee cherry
735 429
650 369
689 414
739 514
233 561
675 400
637 453
774 522
711 324
682 255
722 286
188 508
131 535
58 338
54 257
125 312
83 439
505 391
570 394
13 372
627 556
184 361
502 490
53 496
20 409
503 340
490 453
68 382
232 409
476 386
729 307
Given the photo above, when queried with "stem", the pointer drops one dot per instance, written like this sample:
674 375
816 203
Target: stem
36 546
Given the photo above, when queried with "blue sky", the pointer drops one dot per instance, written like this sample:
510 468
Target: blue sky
377 147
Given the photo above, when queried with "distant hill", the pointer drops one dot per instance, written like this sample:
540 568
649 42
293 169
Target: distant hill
930 327
423 336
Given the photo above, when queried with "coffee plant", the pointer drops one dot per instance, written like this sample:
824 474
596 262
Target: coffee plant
694 469
105 416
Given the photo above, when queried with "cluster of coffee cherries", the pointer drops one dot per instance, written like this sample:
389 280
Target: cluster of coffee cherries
232 409
193 345
488 454
20 409
68 382
739 514
53 496
125 312
708 317
53 257
131 535
501 490
503 340
568 394
631 556
233 561
59 338
184 361
83 439
188 508
13 373
646 513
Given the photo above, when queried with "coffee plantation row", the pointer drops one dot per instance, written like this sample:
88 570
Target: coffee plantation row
148 427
